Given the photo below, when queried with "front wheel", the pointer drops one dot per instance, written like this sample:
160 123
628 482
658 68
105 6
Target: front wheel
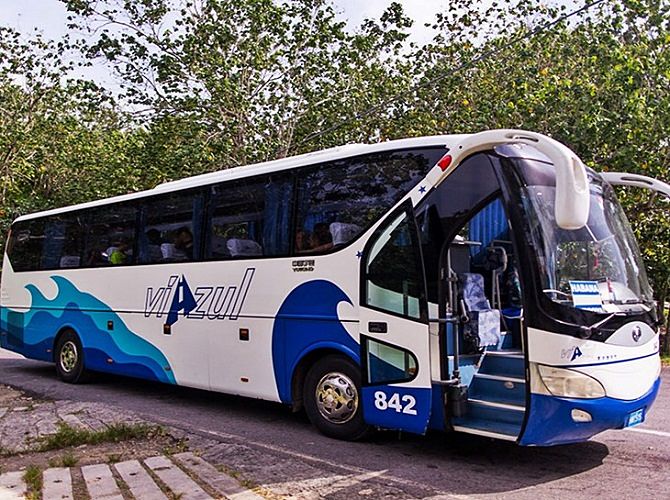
69 357
332 398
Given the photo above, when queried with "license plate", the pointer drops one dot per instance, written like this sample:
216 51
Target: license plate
637 417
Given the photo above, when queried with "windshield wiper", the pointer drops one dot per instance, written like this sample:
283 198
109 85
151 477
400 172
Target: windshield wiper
588 331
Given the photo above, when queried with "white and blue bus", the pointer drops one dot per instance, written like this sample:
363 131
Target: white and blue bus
486 283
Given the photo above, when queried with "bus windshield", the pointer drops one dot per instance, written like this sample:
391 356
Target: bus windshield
597 267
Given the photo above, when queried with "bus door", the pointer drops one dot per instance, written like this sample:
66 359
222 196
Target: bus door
394 328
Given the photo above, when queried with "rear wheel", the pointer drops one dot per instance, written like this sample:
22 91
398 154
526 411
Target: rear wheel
69 357
332 398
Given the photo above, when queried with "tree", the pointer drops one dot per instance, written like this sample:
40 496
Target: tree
60 140
238 81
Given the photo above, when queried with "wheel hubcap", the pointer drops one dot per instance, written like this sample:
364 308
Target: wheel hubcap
68 356
336 398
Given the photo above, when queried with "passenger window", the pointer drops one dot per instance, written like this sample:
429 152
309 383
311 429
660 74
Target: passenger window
26 244
394 278
64 242
250 218
340 200
110 235
170 229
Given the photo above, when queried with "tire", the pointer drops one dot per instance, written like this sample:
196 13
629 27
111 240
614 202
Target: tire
332 398
69 357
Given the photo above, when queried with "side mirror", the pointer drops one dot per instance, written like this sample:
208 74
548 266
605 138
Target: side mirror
635 180
571 208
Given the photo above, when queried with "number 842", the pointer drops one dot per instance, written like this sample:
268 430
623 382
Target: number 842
401 404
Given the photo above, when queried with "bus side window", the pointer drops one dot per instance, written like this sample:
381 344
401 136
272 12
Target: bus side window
110 235
235 220
169 228
338 201
63 243
26 244
249 218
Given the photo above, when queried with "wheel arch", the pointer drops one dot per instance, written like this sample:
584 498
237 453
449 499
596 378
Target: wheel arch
307 359
62 331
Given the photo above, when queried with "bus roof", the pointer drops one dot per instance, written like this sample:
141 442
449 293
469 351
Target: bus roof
331 154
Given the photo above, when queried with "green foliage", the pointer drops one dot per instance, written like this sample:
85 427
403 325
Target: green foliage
239 81
61 141
66 460
33 479
67 436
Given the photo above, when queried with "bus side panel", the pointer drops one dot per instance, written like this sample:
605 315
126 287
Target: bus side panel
185 323
308 319
14 333
103 333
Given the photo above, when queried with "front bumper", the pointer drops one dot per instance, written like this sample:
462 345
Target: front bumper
550 421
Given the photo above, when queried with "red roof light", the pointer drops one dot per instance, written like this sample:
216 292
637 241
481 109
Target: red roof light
444 162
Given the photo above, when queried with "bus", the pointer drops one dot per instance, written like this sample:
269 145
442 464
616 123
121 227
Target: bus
485 283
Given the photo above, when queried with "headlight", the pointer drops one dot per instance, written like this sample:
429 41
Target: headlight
569 383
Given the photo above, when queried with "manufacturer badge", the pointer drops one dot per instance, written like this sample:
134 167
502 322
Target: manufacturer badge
636 333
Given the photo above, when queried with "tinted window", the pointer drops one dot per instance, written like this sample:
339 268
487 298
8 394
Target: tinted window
171 229
250 218
25 245
64 243
340 200
388 364
110 235
51 243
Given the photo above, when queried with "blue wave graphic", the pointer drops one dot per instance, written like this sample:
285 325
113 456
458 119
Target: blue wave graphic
31 333
307 319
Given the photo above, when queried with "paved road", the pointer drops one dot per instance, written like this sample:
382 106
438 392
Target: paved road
275 448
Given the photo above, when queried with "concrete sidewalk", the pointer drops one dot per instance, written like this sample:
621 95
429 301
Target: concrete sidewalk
43 446
183 476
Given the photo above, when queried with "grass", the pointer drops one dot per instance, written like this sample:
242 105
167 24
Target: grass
178 447
33 479
66 460
69 460
238 477
71 436
665 359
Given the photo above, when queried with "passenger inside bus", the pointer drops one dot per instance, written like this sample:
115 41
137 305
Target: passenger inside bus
321 238
153 249
118 253
181 247
184 242
302 241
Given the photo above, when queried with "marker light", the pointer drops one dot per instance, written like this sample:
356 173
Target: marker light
444 162
580 416
569 383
